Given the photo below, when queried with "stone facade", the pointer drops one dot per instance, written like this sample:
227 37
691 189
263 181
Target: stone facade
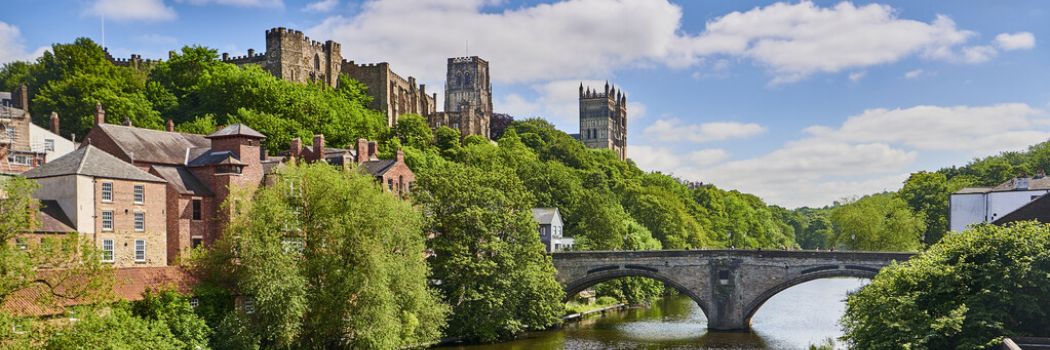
468 97
603 119
292 56
16 151
123 233
393 175
392 94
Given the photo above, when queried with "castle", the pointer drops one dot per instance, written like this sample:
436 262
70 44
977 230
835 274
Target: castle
468 97
603 119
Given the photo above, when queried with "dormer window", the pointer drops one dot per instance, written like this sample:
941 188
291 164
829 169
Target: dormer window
229 169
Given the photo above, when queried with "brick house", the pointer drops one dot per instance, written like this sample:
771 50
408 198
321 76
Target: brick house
392 174
16 152
119 207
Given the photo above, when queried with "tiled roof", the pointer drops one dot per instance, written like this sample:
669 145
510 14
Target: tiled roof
544 216
236 130
378 167
1034 183
182 179
154 146
129 284
213 158
53 219
91 161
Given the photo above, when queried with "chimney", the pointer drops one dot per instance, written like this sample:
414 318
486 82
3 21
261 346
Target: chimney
295 148
318 147
100 114
127 121
171 125
372 149
23 98
54 123
1021 184
400 156
362 151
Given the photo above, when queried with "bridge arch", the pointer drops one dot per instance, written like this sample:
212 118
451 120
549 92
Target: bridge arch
819 273
612 272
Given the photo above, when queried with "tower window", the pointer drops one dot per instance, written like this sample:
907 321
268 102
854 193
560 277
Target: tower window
317 61
196 209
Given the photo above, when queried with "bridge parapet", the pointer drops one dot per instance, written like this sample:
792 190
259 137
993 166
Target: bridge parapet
729 285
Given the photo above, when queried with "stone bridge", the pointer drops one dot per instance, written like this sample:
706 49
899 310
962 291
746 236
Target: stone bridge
729 285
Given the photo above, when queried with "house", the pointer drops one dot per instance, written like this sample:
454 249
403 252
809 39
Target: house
48 141
16 152
392 174
551 229
1037 210
112 203
975 205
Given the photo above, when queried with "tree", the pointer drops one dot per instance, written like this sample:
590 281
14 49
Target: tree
344 268
881 222
116 328
174 310
487 256
927 194
966 292
413 131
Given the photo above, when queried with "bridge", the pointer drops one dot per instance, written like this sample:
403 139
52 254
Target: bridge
729 285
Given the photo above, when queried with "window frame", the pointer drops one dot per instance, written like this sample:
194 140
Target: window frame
139 194
139 251
112 218
107 195
140 221
49 145
110 252
196 209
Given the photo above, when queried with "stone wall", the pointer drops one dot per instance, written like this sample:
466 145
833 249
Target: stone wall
123 233
392 94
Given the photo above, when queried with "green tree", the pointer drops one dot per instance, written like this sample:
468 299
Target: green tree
413 131
881 222
488 259
174 310
115 328
927 194
966 292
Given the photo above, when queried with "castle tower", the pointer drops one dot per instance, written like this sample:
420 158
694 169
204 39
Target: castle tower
467 86
292 56
603 119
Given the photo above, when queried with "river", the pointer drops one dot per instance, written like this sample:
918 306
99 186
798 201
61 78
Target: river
797 317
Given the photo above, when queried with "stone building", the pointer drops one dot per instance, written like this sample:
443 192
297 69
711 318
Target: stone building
292 56
392 174
551 229
392 94
603 119
16 151
114 204
975 205
468 97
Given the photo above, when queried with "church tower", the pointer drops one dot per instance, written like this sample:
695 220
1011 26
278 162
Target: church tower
603 119
468 95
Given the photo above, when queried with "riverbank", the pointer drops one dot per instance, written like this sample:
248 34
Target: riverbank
600 310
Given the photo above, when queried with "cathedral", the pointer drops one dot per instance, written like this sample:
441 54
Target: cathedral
603 119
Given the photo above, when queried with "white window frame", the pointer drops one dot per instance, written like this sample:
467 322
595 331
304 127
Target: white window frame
140 251
140 221
140 194
108 228
109 252
19 159
107 196
49 145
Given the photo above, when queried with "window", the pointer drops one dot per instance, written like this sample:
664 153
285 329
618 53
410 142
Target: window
11 134
249 305
107 220
140 250
107 250
390 184
228 169
194 302
196 242
49 145
107 191
20 159
140 221
140 194
196 209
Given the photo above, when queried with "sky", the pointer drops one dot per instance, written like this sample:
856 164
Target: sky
801 103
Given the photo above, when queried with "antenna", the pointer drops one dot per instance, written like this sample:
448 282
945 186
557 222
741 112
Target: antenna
103 31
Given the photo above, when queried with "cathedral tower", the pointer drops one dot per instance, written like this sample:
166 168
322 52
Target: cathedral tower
468 95
603 119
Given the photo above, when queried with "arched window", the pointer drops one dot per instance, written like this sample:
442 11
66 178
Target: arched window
317 61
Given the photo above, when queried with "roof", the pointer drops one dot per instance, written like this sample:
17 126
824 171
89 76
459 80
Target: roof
1038 209
236 130
214 158
544 216
153 146
182 179
1034 184
972 190
53 219
379 167
90 161
129 284
12 112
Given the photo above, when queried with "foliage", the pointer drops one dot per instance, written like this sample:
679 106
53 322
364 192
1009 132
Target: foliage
412 130
965 292
876 222
175 311
344 269
927 194
114 328
487 255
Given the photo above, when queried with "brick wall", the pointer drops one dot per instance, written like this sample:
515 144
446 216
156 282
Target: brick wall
123 233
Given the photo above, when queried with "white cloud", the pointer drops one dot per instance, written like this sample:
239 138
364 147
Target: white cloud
914 73
14 49
132 10
674 130
857 76
321 6
978 54
575 39
869 152
1015 41
238 3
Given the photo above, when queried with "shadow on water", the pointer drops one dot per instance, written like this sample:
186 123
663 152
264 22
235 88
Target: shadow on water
802 315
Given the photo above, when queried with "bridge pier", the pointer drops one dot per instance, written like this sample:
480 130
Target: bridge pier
728 285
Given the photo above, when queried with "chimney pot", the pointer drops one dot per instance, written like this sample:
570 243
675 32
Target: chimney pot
362 151
318 147
171 125
296 147
54 123
100 114
127 121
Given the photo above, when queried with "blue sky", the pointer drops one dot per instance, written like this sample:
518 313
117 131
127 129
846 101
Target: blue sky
801 103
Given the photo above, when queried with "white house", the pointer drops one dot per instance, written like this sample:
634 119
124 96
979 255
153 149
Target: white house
551 229
975 205
48 141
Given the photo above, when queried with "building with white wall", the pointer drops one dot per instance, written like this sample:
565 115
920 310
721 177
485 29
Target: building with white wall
551 229
974 205
45 141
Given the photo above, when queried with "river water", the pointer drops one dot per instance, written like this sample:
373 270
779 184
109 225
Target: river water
797 317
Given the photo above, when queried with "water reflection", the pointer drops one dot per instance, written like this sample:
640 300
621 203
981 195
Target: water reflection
797 317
